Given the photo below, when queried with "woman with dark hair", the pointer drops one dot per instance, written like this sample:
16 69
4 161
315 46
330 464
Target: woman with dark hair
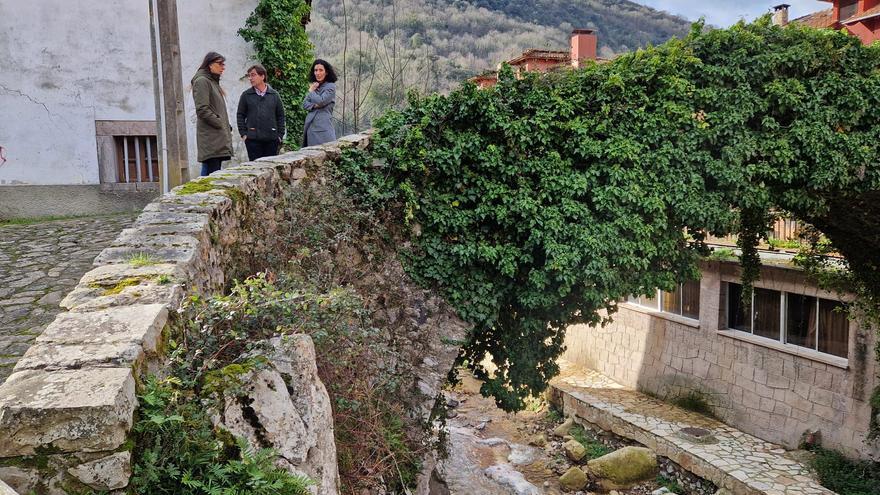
213 132
319 102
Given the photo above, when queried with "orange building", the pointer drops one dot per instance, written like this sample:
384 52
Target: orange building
583 46
860 18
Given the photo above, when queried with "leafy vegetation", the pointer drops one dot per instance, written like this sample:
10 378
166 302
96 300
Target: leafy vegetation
670 484
845 476
141 259
544 200
180 453
276 29
593 446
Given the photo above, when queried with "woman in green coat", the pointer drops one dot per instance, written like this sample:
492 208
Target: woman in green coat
213 132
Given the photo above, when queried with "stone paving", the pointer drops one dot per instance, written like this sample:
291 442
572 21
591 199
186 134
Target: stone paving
39 264
735 461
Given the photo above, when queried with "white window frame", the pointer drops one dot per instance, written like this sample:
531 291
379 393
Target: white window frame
658 298
783 327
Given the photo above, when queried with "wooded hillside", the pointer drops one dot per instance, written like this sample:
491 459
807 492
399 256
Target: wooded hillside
432 45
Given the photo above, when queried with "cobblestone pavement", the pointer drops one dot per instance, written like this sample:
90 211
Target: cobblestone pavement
736 461
39 264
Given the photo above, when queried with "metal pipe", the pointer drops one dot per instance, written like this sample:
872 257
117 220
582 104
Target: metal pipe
149 159
160 94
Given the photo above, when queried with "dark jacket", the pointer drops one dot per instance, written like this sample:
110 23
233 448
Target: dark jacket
260 118
213 132
319 126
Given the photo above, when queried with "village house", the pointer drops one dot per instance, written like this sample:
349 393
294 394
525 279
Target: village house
97 104
860 18
583 46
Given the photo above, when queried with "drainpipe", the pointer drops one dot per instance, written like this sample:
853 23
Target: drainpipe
159 92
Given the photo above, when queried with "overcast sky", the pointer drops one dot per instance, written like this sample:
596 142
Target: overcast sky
723 13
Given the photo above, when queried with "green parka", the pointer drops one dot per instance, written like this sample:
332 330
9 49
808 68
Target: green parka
213 132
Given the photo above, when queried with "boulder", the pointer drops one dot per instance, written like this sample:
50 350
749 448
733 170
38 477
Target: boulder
286 407
563 429
625 467
538 440
104 474
574 479
574 450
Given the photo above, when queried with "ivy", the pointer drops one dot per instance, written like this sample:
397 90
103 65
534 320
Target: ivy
277 30
542 201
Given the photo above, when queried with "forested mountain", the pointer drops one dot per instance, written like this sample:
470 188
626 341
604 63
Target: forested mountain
393 46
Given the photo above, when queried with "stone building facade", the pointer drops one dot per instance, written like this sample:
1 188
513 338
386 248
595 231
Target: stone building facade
776 386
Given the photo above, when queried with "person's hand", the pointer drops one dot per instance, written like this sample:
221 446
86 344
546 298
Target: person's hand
244 138
313 86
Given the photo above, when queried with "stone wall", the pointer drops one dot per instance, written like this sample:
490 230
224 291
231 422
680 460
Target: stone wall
775 392
67 410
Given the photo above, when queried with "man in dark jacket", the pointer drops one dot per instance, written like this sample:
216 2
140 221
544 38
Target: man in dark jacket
260 116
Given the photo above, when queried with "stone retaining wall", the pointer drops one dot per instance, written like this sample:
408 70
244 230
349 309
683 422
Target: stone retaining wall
68 408
771 391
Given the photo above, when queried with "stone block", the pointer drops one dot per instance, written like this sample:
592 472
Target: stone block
823 379
107 473
19 479
67 411
138 324
163 254
820 397
751 400
782 409
52 357
778 381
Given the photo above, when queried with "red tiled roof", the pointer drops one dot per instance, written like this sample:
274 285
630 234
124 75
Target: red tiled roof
536 54
820 19
874 12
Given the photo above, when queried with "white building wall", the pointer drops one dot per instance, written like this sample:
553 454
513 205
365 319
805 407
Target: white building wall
63 65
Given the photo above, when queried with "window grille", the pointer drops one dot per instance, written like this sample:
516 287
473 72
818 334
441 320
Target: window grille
137 159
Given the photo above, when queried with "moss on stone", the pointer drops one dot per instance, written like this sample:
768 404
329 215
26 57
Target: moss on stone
235 195
116 289
196 186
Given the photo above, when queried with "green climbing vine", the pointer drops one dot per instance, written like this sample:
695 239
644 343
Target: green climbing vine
277 30
542 201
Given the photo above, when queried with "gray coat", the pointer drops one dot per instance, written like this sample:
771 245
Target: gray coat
319 125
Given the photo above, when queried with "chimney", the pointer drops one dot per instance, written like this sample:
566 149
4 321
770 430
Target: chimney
583 46
780 14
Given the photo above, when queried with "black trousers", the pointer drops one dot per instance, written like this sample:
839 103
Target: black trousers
259 149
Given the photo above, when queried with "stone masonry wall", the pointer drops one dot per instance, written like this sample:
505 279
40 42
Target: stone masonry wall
773 392
67 410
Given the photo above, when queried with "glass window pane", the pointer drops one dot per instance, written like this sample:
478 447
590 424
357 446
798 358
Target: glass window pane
671 302
690 300
800 320
737 313
767 312
833 328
